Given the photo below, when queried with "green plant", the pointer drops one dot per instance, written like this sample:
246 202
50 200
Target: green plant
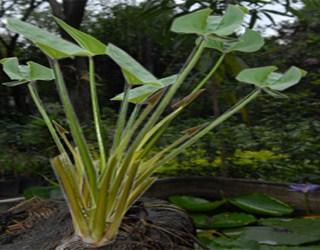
100 189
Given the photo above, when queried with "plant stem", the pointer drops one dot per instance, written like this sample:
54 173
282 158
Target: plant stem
36 99
210 74
204 131
75 127
96 114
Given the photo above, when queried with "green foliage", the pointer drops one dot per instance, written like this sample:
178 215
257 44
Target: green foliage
50 44
259 203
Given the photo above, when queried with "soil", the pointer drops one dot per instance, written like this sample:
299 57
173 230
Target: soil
39 224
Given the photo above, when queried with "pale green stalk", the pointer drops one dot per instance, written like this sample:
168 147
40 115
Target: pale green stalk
96 114
122 116
36 99
203 132
210 74
75 128
172 90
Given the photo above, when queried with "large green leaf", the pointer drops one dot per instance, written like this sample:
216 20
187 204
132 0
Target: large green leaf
261 204
85 40
50 44
257 76
193 23
228 23
195 204
250 41
265 77
224 220
280 235
134 72
140 94
21 74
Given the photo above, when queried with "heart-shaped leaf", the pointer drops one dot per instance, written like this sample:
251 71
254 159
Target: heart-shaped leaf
224 220
133 71
195 204
85 40
265 77
140 94
250 41
193 23
52 45
228 23
261 204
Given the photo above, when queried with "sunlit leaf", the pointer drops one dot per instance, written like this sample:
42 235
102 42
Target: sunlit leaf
193 23
134 72
46 41
85 40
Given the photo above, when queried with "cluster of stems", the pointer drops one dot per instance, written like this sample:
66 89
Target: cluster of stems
100 191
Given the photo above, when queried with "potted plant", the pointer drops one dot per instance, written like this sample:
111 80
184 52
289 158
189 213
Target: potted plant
100 190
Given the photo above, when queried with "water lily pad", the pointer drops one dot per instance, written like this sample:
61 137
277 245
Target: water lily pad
224 220
263 204
195 204
280 235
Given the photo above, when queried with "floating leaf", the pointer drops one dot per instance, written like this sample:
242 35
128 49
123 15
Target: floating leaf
281 235
134 72
224 220
195 204
50 44
261 204
193 23
85 40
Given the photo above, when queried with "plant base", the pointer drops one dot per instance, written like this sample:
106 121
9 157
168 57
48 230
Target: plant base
46 225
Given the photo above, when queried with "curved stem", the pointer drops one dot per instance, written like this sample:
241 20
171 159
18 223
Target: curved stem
96 114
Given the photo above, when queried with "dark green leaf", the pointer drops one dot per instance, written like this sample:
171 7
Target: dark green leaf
224 220
195 204
261 204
